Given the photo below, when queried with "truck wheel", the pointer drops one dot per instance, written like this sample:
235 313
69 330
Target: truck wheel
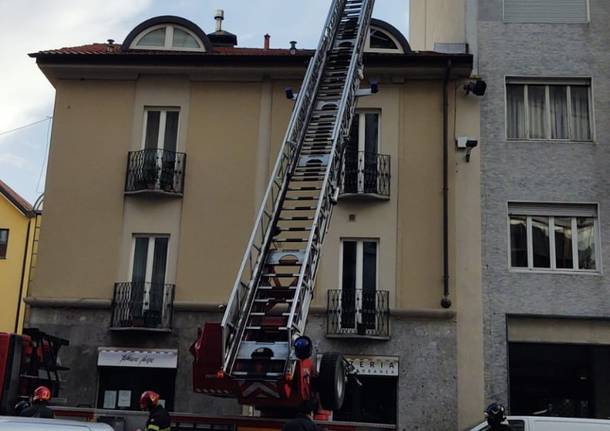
332 381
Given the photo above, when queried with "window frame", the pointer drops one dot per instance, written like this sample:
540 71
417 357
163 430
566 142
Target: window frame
367 43
4 256
547 21
359 262
163 110
149 256
169 39
554 211
547 82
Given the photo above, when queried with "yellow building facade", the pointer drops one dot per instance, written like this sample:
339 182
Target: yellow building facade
17 230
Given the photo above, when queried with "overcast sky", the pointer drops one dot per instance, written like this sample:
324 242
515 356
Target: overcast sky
32 25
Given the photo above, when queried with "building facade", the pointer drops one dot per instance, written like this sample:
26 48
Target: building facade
544 157
18 227
165 143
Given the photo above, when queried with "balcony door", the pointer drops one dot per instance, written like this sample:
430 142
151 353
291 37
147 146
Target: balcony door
360 169
358 285
148 270
159 144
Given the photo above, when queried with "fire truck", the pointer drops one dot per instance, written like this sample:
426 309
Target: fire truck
26 362
259 353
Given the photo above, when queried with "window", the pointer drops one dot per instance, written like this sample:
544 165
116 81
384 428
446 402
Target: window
361 154
549 110
358 283
170 37
148 271
382 41
3 243
546 11
553 237
161 128
515 425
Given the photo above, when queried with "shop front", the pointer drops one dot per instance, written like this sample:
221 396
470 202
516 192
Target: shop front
124 374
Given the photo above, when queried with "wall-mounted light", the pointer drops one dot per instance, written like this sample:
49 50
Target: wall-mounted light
476 87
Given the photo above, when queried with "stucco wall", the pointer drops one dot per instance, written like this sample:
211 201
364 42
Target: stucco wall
539 171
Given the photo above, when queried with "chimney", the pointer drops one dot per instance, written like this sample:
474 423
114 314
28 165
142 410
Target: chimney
267 39
293 47
220 15
110 45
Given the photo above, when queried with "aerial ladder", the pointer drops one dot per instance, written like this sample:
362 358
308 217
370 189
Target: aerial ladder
258 354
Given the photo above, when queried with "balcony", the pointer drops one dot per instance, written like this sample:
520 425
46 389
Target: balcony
142 306
358 314
155 170
365 175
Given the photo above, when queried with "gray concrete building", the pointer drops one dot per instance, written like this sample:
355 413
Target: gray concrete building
545 121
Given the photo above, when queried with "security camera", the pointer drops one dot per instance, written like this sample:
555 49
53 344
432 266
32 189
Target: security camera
466 143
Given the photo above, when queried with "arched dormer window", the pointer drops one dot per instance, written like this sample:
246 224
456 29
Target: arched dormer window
167 33
385 38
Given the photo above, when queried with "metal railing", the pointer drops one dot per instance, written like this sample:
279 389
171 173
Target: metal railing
155 170
358 313
365 173
142 305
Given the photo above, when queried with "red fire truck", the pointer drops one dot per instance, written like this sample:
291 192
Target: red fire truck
26 362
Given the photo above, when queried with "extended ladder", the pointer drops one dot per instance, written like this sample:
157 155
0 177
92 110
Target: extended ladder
269 303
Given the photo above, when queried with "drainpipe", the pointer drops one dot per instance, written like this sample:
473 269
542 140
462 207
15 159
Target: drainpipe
25 258
445 301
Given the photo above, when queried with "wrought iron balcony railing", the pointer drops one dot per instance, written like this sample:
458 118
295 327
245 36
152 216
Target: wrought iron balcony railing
139 305
155 170
358 313
366 175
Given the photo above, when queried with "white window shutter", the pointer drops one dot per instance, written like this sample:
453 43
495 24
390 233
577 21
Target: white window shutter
546 11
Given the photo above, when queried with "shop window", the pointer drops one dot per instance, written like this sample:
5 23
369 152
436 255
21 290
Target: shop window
373 402
120 387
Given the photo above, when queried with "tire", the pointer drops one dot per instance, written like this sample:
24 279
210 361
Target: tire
332 381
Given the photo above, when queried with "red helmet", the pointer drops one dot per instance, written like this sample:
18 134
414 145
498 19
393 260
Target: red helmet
149 399
42 393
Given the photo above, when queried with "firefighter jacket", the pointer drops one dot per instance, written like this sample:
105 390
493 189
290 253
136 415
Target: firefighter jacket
158 420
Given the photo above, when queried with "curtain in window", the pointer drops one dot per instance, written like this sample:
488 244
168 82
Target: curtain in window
369 283
537 108
516 111
580 113
559 111
371 144
586 243
138 277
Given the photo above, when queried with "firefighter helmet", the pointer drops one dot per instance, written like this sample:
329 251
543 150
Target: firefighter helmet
495 414
42 393
149 399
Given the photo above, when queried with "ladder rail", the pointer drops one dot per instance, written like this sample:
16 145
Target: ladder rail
323 213
252 263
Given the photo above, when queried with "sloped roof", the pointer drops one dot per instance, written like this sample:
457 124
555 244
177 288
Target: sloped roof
13 197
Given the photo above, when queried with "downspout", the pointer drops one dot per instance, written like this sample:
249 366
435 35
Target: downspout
25 258
445 301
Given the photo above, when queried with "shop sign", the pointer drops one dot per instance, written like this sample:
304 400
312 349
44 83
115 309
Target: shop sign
109 357
374 365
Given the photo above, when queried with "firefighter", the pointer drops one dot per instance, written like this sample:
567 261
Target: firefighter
304 418
39 407
496 417
21 406
158 418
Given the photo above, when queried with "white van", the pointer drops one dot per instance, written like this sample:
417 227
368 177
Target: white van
9 423
542 423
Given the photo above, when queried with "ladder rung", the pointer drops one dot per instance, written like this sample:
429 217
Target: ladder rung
295 218
301 198
290 240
